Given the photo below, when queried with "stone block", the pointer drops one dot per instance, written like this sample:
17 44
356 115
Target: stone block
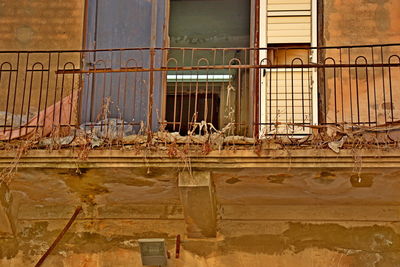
199 204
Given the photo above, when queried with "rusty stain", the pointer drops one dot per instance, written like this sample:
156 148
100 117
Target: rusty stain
278 178
362 179
233 180
89 183
325 177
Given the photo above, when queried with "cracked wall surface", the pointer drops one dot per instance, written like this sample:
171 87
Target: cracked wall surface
286 217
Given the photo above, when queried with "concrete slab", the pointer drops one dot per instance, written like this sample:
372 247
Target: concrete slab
199 205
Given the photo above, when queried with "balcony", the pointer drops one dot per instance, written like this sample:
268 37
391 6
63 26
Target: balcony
220 95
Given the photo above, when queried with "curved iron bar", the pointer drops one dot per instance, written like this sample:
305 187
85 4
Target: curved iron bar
8 90
238 102
175 61
32 71
269 63
358 89
302 91
133 90
199 63
72 66
334 90
390 84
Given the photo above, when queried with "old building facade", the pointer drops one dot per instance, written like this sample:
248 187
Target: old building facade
242 132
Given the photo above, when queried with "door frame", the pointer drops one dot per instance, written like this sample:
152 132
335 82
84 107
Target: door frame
89 41
253 44
313 59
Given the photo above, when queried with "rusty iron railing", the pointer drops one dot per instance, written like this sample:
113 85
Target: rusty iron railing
197 90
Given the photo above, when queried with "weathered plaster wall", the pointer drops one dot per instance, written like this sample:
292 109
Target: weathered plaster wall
41 24
361 22
274 216
37 25
358 22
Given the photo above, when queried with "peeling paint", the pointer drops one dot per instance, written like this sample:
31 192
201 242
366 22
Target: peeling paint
361 243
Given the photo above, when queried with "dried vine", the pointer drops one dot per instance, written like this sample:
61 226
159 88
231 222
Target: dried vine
208 139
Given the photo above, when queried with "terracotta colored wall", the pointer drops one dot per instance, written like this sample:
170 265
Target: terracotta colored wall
37 25
355 95
41 24
352 22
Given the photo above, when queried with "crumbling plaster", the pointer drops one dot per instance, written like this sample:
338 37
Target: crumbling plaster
282 216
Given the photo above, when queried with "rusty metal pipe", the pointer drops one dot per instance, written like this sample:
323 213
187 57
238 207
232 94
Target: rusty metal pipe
59 237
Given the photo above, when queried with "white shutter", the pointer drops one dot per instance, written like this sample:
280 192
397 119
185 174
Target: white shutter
288 21
279 5
286 95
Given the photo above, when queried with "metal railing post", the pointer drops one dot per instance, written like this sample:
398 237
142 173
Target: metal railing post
153 43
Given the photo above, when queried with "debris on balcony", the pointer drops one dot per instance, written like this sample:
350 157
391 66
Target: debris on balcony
220 99
337 144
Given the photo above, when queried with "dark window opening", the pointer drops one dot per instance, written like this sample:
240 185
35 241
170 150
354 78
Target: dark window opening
202 96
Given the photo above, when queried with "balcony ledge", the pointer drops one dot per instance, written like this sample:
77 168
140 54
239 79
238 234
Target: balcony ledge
247 158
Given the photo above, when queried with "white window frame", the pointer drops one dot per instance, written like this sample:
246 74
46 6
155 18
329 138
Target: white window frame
314 59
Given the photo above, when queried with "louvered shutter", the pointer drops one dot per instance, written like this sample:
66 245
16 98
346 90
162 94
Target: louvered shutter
288 21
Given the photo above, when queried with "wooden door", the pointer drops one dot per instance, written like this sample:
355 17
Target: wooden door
118 25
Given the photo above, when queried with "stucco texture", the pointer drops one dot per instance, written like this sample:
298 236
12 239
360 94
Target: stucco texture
41 24
357 22
266 217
